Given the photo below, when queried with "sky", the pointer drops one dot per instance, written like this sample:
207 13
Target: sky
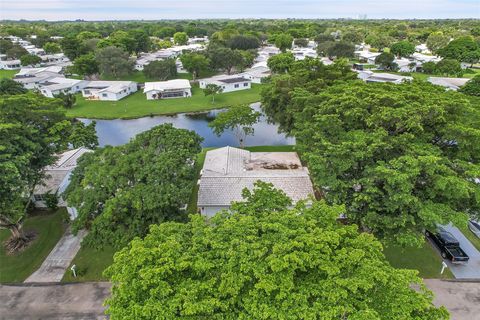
201 9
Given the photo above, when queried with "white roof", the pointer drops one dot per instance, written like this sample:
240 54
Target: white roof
167 85
258 71
109 86
226 79
370 76
56 173
450 83
367 54
227 171
59 83
424 57
10 62
32 71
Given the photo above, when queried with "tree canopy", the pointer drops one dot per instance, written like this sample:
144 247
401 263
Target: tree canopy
463 49
263 261
195 63
33 129
240 119
400 157
120 191
113 62
402 48
161 70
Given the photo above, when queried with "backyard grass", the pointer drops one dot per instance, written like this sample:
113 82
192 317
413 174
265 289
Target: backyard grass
136 105
424 259
90 264
49 229
8 73
470 236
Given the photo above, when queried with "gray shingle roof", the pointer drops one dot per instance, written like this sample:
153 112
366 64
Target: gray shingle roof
227 171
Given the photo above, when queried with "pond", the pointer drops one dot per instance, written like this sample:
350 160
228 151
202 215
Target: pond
118 131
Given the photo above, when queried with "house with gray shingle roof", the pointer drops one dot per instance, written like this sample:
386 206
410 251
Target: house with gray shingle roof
57 178
227 171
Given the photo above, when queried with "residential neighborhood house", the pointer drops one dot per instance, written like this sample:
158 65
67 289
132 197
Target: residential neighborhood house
58 85
228 83
227 171
369 76
108 90
178 88
57 178
448 83
31 78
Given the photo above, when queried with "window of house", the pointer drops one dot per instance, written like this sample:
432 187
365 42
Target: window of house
86 91
245 84
38 197
104 94
237 85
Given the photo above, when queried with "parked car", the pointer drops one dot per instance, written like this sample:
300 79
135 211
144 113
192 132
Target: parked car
474 226
448 245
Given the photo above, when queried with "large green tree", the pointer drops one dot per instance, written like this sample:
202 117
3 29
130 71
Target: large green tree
180 38
195 63
240 119
463 49
437 40
264 261
402 49
472 87
114 62
30 60
283 41
85 65
9 86
161 70
309 75
386 61
120 191
33 128
400 157
281 63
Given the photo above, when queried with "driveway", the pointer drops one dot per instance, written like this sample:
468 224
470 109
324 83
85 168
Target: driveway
53 301
54 266
462 299
471 270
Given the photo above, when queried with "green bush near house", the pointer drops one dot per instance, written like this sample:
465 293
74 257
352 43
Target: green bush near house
49 228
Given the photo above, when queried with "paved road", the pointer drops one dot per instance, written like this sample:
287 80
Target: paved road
471 270
54 266
462 299
81 301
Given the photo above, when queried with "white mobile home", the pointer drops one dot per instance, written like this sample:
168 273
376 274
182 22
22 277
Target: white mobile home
449 83
256 74
108 90
55 86
228 83
32 78
178 88
369 76
10 64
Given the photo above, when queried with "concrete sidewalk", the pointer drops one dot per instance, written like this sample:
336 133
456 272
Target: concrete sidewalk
461 298
54 301
54 266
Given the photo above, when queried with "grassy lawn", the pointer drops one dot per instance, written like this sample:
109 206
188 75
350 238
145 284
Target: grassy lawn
136 105
49 229
8 73
424 259
91 263
192 204
470 236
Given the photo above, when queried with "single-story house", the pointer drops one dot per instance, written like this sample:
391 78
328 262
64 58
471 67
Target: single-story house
367 56
57 59
32 78
256 74
178 88
52 87
227 171
449 83
228 83
369 76
10 64
422 58
422 48
57 178
108 90
302 53
407 65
